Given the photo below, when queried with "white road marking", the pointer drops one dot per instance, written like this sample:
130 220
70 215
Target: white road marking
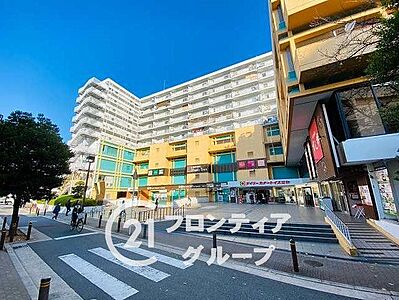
162 258
109 284
75 235
145 271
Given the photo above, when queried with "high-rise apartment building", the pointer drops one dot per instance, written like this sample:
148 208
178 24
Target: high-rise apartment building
104 111
328 110
215 137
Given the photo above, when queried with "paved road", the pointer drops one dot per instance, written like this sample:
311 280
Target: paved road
86 265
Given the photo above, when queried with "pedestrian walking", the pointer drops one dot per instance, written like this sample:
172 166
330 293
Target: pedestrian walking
56 211
68 206
156 203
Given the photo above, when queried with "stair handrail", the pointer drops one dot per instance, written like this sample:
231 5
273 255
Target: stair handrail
341 226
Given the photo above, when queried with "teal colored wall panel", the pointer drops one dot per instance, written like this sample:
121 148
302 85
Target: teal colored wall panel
181 179
179 163
225 158
284 172
128 155
143 181
107 165
110 151
127 168
224 177
126 182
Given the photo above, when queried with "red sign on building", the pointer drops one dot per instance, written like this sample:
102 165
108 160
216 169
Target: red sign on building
315 142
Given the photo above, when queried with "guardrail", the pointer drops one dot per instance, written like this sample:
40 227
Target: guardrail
338 224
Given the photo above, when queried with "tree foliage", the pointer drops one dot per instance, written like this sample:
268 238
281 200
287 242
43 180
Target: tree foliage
383 66
33 157
78 189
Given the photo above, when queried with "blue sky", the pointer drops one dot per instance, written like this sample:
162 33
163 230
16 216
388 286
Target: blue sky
48 49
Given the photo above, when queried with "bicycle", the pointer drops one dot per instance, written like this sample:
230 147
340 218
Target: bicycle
78 224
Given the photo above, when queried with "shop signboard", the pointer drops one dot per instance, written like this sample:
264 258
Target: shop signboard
315 142
198 169
268 183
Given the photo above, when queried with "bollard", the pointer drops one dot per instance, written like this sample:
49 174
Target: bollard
214 245
3 238
84 221
99 221
29 231
45 211
44 289
294 256
119 224
4 223
37 211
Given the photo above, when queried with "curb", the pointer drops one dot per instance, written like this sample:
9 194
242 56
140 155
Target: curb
25 278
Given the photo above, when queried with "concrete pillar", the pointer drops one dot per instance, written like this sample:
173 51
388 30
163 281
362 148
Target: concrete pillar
375 190
393 173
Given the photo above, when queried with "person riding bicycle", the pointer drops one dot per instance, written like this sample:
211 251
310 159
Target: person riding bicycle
77 209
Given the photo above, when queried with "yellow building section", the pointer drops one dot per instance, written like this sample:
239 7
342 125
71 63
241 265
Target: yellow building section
309 56
195 167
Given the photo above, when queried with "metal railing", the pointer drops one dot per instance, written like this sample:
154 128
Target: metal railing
338 224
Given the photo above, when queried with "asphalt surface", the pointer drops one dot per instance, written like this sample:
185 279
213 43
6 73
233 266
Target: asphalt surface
198 281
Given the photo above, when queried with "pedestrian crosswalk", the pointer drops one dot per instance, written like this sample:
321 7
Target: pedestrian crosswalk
116 288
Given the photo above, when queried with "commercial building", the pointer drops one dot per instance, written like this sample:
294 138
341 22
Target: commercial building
215 138
328 110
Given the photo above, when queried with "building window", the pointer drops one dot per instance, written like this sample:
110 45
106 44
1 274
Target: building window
280 17
143 166
252 173
275 149
223 139
110 151
291 75
273 130
250 154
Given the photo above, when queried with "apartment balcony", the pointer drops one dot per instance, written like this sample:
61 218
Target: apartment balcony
223 118
246 91
176 111
199 114
220 99
147 119
174 120
88 111
177 151
142 171
244 70
161 115
84 121
220 89
90 101
326 57
247 80
142 156
179 137
88 132
199 105
271 139
279 158
221 146
221 78
146 135
301 12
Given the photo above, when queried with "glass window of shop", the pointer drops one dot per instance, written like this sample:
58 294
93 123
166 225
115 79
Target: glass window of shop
384 186
361 113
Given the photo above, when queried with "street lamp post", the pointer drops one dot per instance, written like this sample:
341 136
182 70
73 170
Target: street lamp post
90 159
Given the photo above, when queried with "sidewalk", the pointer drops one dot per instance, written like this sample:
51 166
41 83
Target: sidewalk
11 285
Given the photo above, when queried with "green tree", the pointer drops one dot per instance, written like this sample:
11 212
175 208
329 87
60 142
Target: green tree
78 189
33 159
383 66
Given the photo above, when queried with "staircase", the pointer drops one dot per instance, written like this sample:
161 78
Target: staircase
370 243
298 232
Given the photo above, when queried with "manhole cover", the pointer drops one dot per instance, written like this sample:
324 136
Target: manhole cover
313 263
